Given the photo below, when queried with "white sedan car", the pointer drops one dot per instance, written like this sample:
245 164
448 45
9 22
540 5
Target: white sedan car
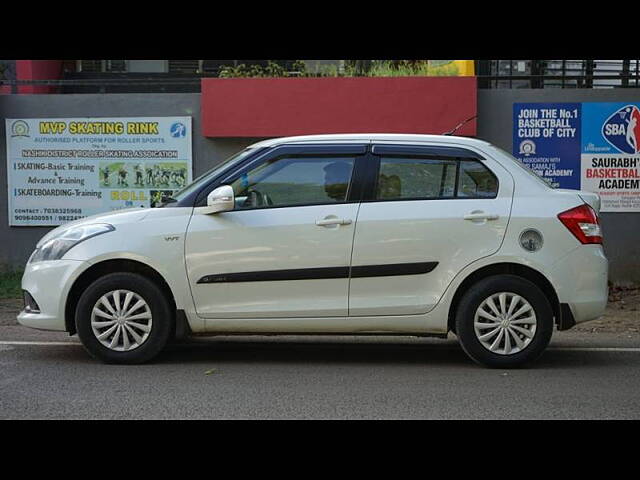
414 235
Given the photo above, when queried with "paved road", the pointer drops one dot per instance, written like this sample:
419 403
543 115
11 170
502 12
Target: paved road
582 376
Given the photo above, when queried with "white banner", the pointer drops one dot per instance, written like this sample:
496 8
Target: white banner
63 169
616 178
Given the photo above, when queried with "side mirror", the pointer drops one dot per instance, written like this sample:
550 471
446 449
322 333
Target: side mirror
220 200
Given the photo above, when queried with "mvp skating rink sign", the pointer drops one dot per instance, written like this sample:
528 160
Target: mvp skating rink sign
64 169
587 146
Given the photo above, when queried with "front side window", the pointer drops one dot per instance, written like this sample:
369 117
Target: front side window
168 200
421 178
290 181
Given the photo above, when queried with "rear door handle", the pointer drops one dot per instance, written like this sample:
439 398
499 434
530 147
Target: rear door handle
333 221
481 216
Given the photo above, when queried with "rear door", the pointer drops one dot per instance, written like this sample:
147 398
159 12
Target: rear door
429 211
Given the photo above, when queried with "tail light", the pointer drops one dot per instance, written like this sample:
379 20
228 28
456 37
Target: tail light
583 222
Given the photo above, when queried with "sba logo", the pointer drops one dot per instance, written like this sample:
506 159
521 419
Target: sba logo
622 129
178 130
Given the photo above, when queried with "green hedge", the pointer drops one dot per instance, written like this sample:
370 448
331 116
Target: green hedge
10 284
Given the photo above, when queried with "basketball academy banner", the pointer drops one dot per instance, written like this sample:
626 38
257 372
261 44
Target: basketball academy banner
592 146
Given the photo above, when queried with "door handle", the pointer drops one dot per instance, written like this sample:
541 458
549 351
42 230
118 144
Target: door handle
481 216
333 221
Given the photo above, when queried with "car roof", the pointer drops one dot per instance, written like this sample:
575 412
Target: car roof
369 138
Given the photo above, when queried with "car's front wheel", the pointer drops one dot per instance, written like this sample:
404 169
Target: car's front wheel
124 318
504 321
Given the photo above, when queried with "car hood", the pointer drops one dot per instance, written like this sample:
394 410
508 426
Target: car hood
114 218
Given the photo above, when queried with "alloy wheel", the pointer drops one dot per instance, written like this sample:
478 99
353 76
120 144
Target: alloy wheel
505 323
121 320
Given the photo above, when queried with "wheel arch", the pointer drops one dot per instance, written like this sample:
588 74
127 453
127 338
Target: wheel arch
103 268
524 271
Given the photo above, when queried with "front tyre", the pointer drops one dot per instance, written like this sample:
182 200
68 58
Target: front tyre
124 318
504 321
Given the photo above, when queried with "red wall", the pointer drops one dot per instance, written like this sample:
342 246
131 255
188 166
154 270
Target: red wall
274 107
38 70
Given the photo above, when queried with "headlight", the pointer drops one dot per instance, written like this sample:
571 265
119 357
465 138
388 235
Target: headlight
56 247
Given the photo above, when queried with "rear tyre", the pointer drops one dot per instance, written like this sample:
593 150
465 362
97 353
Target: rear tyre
504 321
124 318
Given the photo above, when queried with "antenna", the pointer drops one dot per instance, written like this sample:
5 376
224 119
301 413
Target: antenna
451 132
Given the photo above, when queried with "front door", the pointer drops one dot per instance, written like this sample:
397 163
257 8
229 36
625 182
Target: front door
430 212
285 250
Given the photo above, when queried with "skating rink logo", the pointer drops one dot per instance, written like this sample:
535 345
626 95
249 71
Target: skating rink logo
178 130
19 128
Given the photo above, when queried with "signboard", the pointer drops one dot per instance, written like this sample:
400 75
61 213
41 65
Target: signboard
610 154
63 169
587 146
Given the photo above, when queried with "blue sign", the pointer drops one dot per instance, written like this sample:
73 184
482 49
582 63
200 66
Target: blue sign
546 137
586 146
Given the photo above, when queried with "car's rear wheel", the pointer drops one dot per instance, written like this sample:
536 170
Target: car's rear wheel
124 318
504 321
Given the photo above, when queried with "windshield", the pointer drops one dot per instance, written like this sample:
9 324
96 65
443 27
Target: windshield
169 201
524 167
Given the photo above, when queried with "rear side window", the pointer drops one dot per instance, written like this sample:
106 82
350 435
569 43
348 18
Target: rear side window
415 178
476 181
421 178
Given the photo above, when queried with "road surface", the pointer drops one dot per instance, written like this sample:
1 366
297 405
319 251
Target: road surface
583 375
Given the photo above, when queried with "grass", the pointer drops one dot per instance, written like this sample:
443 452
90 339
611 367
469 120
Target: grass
387 69
377 68
10 284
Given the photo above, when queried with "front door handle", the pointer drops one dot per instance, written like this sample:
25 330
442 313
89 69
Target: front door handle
481 216
327 222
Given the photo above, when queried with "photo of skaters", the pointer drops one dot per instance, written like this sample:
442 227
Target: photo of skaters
170 175
105 173
122 176
158 196
137 169
113 175
166 174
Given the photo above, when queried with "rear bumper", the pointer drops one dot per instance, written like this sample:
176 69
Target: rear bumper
580 279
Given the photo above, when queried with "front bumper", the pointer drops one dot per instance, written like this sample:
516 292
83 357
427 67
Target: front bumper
580 279
49 283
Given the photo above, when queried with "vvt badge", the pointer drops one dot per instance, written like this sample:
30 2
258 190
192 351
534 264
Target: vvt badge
622 129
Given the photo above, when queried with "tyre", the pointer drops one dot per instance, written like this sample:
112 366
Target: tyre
504 321
124 318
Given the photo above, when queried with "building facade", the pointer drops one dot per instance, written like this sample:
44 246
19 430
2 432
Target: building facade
230 113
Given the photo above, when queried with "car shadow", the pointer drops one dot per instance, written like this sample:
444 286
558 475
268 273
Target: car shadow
437 353
310 351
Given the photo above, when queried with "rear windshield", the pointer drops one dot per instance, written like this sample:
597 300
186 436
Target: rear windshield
524 167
